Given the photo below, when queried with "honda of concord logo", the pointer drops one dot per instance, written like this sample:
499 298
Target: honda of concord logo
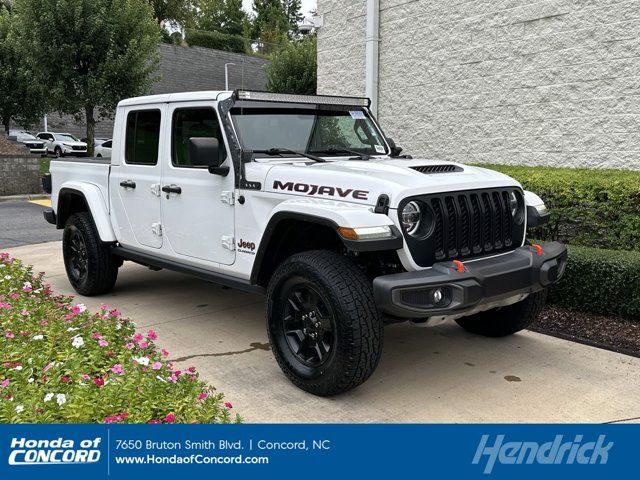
53 452
321 190
554 452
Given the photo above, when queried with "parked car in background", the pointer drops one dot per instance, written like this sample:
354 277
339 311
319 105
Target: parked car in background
35 146
96 141
104 149
61 144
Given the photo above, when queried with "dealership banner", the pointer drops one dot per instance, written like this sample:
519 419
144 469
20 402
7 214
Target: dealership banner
317 451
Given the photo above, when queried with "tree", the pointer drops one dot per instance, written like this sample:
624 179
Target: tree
293 68
292 9
90 54
20 99
269 17
172 12
224 16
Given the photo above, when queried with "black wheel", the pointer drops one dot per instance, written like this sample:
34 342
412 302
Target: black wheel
58 152
91 268
324 327
504 321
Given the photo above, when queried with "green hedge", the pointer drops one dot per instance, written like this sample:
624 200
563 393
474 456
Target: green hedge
216 40
600 281
592 208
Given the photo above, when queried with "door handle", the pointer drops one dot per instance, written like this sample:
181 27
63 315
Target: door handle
172 189
128 184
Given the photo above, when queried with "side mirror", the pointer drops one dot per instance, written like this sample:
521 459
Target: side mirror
206 152
395 151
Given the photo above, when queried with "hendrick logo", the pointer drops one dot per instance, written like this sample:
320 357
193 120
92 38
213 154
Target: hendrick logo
555 452
53 452
321 190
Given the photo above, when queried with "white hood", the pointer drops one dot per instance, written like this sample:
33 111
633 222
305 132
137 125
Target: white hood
363 182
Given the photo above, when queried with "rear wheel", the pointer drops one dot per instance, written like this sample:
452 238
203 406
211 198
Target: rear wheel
324 327
504 321
91 268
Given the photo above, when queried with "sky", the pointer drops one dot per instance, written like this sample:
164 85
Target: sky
306 6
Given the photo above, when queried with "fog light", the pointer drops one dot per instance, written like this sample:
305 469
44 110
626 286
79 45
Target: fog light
437 296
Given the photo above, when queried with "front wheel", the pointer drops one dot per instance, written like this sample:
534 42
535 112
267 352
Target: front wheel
58 152
504 321
91 268
324 327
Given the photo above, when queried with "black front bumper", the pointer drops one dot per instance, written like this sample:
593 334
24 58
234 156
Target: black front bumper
483 281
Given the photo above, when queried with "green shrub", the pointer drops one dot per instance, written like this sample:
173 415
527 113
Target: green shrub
592 208
61 364
600 281
293 68
216 40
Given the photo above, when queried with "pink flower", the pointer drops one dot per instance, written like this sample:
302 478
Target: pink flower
96 335
27 287
85 376
65 379
9 334
5 383
48 367
79 308
43 322
203 395
143 345
115 313
172 379
98 381
4 255
103 307
5 305
137 337
153 421
164 352
117 368
228 405
156 365
14 295
129 346
152 335
170 418
102 342
116 418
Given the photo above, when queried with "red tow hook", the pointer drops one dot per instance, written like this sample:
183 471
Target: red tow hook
459 266
538 249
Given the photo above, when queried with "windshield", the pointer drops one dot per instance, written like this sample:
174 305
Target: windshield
65 137
325 130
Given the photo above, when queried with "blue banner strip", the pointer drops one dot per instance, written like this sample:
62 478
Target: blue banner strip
317 451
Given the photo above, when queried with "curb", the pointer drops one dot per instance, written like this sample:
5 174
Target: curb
34 196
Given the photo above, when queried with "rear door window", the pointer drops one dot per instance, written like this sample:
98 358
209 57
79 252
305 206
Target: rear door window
142 138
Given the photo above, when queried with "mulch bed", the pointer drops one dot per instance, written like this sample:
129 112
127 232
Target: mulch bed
613 333
8 147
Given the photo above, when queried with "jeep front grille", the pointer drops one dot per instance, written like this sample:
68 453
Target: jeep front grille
459 225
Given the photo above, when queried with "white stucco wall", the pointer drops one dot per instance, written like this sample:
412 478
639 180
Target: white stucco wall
509 81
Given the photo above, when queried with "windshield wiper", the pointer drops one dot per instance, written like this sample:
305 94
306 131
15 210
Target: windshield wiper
280 151
334 151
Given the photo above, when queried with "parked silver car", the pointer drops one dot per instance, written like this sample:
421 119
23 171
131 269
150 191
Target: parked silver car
36 146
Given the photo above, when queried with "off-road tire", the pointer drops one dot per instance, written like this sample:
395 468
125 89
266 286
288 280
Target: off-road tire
357 347
504 321
101 265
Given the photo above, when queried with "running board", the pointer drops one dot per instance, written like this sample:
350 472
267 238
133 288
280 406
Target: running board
156 262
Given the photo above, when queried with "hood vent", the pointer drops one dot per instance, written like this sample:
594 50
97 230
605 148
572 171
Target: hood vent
438 168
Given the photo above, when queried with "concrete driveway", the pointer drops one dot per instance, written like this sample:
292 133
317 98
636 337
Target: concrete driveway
440 374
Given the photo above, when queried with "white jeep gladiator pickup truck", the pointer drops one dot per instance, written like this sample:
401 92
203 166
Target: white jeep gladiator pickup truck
304 199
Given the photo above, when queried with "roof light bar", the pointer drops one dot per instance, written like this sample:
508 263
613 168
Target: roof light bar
291 98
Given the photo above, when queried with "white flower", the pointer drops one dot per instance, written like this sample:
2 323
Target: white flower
19 408
77 342
48 397
31 380
30 361
118 326
142 361
38 337
61 398
19 367
7 277
81 307
161 379
72 329
27 285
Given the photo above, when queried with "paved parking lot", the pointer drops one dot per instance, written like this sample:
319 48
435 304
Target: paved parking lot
426 375
22 223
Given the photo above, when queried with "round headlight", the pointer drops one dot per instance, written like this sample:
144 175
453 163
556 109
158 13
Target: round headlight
516 207
410 217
